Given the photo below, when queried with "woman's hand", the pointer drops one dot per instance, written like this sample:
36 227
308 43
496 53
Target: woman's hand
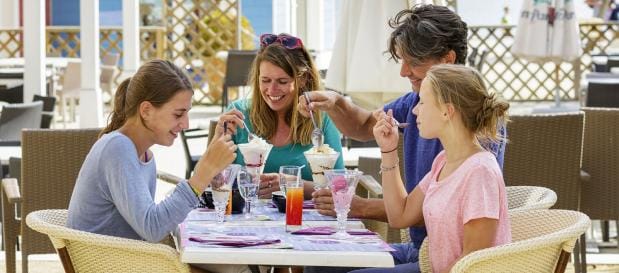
233 119
219 154
385 132
269 183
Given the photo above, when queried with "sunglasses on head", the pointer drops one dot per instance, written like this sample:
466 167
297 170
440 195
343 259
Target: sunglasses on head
287 41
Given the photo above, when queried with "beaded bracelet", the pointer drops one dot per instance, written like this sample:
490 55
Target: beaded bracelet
390 168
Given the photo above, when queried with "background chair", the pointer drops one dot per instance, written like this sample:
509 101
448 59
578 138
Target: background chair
49 103
603 93
238 65
51 160
542 241
17 116
601 161
71 84
109 71
546 150
529 198
82 251
192 135
190 159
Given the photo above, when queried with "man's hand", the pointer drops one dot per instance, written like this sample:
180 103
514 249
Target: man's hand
320 100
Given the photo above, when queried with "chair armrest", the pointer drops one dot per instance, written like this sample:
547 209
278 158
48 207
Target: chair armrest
370 184
168 177
584 176
11 190
10 143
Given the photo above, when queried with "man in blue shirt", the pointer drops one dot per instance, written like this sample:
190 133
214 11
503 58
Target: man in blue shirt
423 36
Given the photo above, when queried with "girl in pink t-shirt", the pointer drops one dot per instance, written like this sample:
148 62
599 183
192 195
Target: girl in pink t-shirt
462 200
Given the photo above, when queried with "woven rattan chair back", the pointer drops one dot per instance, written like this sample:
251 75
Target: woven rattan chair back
17 116
601 161
542 241
546 150
529 198
51 161
88 252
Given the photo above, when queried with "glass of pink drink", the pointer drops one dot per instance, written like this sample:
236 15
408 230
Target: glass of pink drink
343 184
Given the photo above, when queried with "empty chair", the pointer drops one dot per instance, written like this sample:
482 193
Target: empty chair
601 161
545 150
71 84
109 71
602 93
106 81
192 159
51 161
238 65
49 103
110 59
17 116
529 198
82 251
542 241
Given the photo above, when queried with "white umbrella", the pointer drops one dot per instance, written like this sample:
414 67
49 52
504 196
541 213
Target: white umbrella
359 62
548 32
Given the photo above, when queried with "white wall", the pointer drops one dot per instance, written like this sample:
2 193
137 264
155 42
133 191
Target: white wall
9 13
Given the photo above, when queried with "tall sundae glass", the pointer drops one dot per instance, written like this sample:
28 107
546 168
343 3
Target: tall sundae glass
342 184
221 187
320 159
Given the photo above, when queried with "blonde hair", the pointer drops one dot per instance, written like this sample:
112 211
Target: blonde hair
298 64
464 88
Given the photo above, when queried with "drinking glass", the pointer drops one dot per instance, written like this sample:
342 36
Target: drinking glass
294 204
318 163
221 187
248 189
343 184
288 173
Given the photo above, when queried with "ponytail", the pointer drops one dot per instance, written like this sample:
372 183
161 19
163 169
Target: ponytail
118 116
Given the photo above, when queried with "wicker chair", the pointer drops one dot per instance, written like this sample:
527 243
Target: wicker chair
521 198
601 161
546 150
51 160
82 251
542 241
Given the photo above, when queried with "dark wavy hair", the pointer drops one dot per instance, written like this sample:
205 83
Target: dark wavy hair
428 32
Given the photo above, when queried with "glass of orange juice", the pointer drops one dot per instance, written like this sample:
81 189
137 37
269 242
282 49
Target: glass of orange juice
294 204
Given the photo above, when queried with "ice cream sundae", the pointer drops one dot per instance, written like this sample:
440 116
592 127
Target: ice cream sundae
255 153
321 158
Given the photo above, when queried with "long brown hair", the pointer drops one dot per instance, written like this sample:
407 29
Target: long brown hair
463 87
157 81
298 64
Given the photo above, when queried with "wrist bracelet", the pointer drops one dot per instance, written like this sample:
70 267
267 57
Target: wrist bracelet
390 168
396 148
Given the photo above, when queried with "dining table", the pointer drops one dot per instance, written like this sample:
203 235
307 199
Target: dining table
263 240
